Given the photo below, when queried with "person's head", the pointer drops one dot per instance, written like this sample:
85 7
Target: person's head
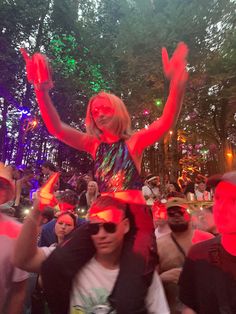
108 225
159 213
184 173
224 207
47 215
92 188
87 177
190 188
68 200
172 187
206 220
201 186
48 168
107 112
151 180
177 214
66 222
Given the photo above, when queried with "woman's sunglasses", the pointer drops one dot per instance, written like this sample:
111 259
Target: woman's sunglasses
109 227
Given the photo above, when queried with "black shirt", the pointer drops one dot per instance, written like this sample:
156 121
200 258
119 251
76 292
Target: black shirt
208 281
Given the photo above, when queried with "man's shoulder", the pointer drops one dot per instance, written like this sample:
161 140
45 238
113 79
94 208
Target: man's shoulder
200 235
201 250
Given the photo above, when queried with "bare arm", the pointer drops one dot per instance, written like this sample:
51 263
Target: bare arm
17 297
27 255
18 192
175 69
59 129
38 73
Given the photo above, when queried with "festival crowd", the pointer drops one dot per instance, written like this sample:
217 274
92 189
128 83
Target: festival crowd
110 241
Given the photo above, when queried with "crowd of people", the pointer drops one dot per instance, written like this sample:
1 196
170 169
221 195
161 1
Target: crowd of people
144 246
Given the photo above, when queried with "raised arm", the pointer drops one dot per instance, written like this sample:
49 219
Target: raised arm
28 256
175 70
38 73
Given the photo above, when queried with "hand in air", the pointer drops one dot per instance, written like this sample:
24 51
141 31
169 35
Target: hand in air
38 70
175 68
45 194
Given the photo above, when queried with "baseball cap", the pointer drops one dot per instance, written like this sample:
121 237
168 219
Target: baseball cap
177 201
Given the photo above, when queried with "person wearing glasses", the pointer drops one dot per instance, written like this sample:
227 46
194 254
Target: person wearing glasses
117 153
174 246
109 228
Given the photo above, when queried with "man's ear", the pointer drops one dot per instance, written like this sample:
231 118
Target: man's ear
126 225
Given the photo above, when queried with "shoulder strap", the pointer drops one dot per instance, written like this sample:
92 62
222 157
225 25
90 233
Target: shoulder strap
179 247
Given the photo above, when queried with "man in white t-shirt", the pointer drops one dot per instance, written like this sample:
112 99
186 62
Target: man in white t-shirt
150 190
12 280
108 226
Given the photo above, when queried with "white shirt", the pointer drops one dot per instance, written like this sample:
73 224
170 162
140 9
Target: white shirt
202 196
94 283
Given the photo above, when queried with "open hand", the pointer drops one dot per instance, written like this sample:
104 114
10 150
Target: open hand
175 68
38 70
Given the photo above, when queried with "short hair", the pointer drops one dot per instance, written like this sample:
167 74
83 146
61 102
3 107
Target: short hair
103 202
121 123
69 197
49 165
48 213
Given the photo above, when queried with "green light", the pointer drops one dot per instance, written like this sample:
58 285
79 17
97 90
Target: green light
158 102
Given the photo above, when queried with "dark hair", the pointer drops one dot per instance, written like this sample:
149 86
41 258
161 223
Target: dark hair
190 188
69 197
103 202
48 213
176 186
49 165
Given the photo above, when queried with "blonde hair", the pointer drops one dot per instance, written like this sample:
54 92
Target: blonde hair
91 199
120 121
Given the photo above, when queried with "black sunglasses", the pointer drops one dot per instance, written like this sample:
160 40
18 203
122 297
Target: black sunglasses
174 212
109 227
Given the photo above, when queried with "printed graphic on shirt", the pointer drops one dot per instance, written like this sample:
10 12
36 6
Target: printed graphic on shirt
94 303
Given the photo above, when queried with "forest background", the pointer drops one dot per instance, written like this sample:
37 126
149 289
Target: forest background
115 45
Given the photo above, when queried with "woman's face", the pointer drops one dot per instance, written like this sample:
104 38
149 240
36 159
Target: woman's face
102 111
91 188
64 225
171 188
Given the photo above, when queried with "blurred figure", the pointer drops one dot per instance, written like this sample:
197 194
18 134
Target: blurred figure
170 188
12 280
150 190
159 214
201 193
65 224
206 220
174 246
67 202
183 180
87 198
208 280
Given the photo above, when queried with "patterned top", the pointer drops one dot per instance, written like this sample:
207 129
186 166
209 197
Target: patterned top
115 170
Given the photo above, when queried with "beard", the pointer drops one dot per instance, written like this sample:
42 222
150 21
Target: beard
181 227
